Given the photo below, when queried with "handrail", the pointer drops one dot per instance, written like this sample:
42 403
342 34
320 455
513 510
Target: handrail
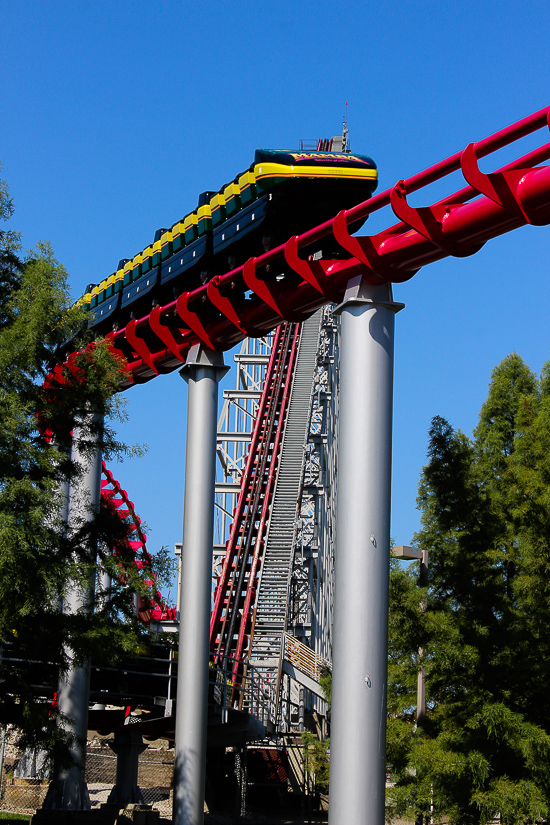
304 658
239 514
237 685
246 541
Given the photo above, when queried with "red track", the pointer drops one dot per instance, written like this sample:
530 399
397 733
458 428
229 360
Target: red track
231 621
113 496
250 300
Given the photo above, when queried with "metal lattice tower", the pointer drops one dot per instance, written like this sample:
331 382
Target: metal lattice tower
310 605
294 596
234 429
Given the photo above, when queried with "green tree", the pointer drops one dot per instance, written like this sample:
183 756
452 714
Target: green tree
38 560
165 565
316 760
316 752
485 505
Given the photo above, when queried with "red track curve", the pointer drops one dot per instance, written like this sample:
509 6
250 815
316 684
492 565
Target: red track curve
113 496
251 301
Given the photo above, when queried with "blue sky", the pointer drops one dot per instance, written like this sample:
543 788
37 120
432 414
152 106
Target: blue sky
116 114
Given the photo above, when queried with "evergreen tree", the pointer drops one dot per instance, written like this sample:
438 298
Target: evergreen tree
484 747
38 560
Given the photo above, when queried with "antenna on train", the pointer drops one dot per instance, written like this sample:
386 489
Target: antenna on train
345 134
335 144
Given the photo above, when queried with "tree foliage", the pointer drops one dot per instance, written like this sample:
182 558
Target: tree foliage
39 558
485 744
316 760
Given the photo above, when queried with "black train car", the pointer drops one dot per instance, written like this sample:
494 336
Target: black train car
283 193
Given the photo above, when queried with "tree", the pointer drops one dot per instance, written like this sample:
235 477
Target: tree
316 752
38 559
485 505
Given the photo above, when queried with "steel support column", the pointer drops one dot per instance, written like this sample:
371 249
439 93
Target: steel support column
68 790
358 734
202 372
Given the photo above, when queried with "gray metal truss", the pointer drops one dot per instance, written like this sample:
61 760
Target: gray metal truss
312 579
309 613
234 429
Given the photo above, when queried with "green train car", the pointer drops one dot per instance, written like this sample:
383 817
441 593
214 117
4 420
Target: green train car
282 193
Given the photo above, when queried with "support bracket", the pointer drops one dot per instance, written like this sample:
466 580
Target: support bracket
205 357
164 333
500 187
194 321
428 221
139 345
313 272
360 292
230 306
365 250
270 292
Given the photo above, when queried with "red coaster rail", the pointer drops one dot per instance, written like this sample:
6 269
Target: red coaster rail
116 499
281 285
231 618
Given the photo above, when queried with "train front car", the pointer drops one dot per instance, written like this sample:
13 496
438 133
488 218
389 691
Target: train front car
286 194
313 186
283 193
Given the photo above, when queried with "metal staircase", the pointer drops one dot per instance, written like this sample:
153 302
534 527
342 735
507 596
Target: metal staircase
273 549
270 613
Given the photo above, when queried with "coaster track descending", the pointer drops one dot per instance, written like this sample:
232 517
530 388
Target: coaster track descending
115 499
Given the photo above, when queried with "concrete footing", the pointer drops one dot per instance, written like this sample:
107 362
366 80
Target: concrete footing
106 815
127 745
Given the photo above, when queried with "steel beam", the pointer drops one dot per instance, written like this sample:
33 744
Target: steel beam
202 373
357 759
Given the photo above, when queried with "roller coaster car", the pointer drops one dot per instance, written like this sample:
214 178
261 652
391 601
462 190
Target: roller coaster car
283 193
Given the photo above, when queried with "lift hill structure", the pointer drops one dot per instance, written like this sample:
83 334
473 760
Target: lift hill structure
283 285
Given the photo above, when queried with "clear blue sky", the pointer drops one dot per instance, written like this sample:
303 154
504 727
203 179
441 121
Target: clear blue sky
116 114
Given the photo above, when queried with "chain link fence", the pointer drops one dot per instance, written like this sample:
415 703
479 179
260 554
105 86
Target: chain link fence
20 794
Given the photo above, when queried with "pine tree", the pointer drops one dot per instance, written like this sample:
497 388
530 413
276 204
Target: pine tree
484 747
38 560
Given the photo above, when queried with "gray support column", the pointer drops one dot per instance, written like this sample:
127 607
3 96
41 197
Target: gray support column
360 637
68 790
103 597
104 584
421 681
63 509
202 372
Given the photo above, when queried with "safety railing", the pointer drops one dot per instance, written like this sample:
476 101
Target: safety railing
304 658
236 685
232 614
